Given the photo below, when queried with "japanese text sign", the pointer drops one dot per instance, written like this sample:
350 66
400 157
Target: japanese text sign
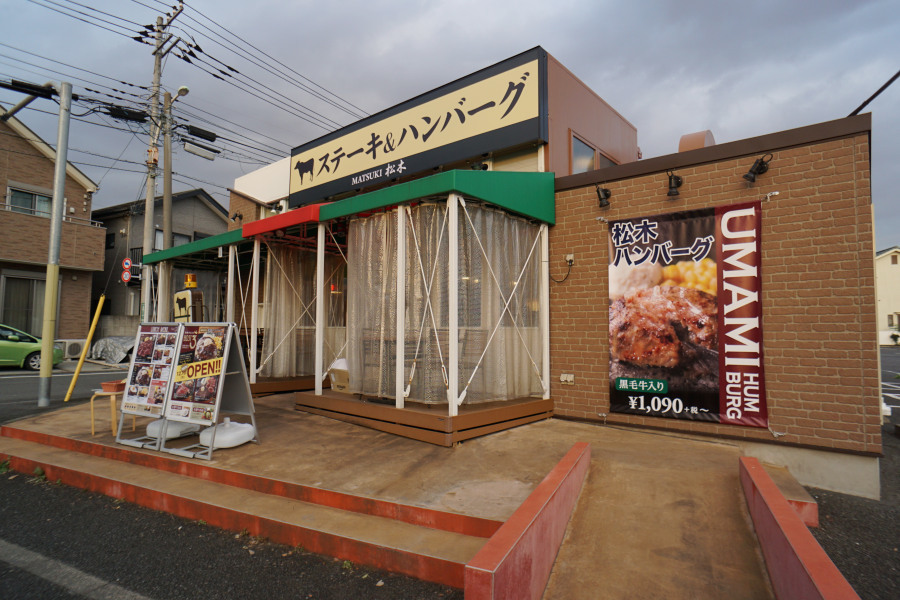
685 318
499 107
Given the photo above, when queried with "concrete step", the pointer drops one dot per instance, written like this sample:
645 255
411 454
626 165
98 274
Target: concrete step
423 552
796 495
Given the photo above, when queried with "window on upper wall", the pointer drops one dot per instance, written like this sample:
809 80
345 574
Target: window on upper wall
890 320
30 203
582 157
893 259
178 239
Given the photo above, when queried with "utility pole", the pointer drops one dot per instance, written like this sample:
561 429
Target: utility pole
51 286
165 267
153 158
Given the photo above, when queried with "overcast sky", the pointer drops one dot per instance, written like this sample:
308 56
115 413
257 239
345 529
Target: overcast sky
739 69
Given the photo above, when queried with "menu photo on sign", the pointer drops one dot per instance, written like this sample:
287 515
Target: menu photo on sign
198 374
154 356
685 321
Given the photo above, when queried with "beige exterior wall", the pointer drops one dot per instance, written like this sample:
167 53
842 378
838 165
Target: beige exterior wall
25 238
887 278
818 290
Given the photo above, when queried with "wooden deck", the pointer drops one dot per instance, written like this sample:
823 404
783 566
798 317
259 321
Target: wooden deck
280 385
427 423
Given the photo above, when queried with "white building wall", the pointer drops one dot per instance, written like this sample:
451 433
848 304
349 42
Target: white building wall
887 286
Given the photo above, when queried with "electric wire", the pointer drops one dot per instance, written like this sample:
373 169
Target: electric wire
62 12
359 112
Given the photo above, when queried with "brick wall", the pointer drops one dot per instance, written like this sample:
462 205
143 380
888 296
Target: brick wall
247 208
818 301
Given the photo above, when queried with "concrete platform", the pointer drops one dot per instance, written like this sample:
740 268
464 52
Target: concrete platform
659 516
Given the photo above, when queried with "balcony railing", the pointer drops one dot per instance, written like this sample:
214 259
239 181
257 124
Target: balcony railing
46 215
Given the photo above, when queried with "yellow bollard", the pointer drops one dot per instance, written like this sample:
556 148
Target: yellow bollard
84 350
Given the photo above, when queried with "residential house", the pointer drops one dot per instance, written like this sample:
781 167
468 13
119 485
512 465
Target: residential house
195 215
27 166
887 289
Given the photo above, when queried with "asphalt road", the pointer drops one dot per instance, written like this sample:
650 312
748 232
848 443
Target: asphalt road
58 542
61 542
890 379
19 388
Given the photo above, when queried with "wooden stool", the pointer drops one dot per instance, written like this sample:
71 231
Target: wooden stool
113 397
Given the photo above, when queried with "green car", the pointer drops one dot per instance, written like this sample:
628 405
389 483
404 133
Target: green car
19 349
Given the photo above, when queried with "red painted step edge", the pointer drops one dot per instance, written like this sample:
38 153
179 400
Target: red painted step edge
798 566
517 560
397 561
423 517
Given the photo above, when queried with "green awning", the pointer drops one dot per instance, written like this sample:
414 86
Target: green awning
211 243
527 194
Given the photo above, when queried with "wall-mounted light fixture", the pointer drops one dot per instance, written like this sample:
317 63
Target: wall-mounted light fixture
603 195
236 216
760 166
675 182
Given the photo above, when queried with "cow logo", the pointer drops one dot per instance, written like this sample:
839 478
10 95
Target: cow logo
304 167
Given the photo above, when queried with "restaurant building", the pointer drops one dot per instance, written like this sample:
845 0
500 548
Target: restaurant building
493 252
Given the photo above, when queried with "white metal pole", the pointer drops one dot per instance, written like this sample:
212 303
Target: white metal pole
229 285
254 310
453 302
544 313
51 284
320 307
400 365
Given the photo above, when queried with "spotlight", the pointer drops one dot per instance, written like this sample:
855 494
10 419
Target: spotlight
236 216
760 166
603 195
674 183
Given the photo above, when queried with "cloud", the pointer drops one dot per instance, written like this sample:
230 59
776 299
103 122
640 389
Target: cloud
739 69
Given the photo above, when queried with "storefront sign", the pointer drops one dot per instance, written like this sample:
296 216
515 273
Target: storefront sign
499 107
685 319
198 374
151 367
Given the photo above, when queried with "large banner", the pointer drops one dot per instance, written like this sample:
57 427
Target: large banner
685 320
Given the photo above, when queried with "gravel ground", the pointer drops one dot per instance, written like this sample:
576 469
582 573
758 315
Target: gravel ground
862 536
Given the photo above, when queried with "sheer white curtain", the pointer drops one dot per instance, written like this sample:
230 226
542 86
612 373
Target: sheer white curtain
499 338
288 347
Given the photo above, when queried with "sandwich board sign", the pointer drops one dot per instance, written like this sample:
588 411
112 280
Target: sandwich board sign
208 378
188 373
149 376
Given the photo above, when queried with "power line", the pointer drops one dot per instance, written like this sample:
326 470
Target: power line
141 87
70 15
360 112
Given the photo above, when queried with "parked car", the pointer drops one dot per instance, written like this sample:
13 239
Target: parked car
19 349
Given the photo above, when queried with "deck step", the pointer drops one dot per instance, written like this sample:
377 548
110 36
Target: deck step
422 552
796 495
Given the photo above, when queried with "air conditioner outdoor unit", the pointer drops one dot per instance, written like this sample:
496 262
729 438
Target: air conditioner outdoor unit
71 348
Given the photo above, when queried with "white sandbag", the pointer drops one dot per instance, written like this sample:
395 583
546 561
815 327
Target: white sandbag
228 434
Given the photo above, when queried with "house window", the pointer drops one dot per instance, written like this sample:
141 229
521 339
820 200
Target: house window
110 240
23 304
29 203
893 259
178 239
890 320
582 156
